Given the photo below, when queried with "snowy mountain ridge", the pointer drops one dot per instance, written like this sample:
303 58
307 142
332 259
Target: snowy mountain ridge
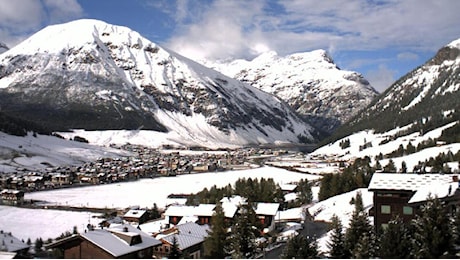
93 75
309 82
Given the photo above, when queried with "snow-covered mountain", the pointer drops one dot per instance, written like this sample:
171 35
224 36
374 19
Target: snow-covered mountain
309 82
97 76
417 118
3 47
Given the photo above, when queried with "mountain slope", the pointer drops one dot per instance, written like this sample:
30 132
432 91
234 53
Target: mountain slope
416 122
309 82
425 98
93 75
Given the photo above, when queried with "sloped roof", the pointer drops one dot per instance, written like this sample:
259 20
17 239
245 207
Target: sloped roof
134 213
439 190
10 243
406 181
267 209
189 234
114 245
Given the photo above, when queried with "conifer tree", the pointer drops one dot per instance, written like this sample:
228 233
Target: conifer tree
433 235
395 240
175 252
366 246
359 225
336 245
244 233
300 247
216 241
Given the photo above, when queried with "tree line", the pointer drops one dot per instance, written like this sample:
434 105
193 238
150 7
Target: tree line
254 190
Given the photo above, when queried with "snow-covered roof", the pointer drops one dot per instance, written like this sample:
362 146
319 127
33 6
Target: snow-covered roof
268 209
9 243
108 240
135 213
288 187
438 190
406 181
188 234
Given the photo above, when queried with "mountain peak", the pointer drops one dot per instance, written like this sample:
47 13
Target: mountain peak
93 75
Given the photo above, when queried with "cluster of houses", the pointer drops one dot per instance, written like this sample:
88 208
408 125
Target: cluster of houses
185 227
145 163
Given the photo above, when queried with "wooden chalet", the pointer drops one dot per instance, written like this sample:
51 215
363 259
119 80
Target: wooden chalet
138 216
189 238
266 213
12 246
12 197
124 241
402 194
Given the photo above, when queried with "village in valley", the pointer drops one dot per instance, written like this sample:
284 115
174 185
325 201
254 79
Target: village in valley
150 231
180 225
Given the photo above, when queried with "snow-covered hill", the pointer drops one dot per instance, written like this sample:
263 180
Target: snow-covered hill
92 75
310 82
422 106
35 152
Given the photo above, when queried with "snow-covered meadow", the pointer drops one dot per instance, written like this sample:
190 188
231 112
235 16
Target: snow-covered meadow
34 223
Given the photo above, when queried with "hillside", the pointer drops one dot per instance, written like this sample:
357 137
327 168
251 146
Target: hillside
415 122
309 82
426 98
91 75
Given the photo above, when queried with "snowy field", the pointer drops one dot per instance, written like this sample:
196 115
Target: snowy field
145 192
34 223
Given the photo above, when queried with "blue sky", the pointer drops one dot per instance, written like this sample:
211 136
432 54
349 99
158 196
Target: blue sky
382 39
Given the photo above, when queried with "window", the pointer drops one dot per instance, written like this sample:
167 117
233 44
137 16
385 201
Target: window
384 226
408 210
385 209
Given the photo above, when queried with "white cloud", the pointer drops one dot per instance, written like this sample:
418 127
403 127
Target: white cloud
225 29
20 18
408 56
381 78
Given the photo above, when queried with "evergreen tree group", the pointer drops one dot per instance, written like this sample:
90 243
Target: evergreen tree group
434 233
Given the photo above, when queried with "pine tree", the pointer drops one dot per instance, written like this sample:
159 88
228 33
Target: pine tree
175 252
244 233
366 246
359 225
300 247
433 235
216 241
390 167
395 240
38 245
336 245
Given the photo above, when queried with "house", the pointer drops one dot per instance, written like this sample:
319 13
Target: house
266 213
403 194
189 238
123 241
10 245
201 213
12 197
138 216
